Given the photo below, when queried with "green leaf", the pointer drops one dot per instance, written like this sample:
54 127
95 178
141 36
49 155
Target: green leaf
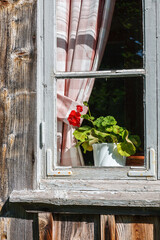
114 138
105 137
99 133
84 128
109 120
92 118
81 136
98 122
87 147
116 129
92 140
125 135
135 140
109 129
126 149
121 129
85 103
78 144
85 116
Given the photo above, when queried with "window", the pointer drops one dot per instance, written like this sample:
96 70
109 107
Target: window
141 73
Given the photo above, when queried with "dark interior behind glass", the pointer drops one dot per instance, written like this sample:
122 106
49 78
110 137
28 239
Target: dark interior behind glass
124 48
121 98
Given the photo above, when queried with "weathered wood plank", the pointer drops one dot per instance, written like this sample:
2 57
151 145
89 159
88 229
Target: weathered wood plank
86 198
20 229
17 106
4 228
158 82
103 226
45 226
100 185
75 227
129 227
150 95
108 227
137 227
101 74
105 173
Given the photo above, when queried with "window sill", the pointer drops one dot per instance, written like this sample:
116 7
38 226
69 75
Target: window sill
114 194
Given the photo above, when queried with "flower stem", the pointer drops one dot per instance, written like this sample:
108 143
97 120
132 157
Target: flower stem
89 112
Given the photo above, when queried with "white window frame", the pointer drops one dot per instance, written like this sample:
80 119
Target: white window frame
47 171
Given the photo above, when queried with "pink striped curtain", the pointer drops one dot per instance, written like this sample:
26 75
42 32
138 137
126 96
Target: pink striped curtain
82 32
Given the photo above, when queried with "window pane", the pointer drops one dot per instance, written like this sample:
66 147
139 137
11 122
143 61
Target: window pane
121 98
124 47
94 29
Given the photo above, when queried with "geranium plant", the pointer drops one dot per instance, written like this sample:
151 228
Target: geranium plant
102 130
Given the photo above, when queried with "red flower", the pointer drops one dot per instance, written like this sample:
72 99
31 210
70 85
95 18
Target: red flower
74 118
79 108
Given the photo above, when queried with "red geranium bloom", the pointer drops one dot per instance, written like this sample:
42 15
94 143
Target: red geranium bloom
79 108
74 118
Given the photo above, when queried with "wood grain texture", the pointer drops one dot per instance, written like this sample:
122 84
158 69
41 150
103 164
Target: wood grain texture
75 227
45 226
129 227
108 227
17 106
137 228
101 185
33 199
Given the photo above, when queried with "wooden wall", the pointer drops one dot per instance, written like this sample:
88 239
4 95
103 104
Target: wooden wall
17 108
98 227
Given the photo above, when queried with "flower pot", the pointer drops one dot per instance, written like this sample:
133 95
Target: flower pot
135 160
106 155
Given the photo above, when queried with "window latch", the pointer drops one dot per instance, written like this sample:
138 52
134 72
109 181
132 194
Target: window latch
42 134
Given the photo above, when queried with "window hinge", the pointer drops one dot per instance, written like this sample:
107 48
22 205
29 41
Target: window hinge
53 170
151 172
42 134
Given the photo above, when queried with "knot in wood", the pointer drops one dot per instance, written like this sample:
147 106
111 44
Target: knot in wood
4 3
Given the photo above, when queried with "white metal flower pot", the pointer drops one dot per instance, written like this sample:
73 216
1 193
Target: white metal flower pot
106 155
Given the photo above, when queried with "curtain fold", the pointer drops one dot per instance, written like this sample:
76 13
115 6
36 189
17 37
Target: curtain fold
82 32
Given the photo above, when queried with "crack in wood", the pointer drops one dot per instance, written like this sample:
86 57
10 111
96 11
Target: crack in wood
22 55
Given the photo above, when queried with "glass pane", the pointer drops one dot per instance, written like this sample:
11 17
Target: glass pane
81 29
120 98
124 48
